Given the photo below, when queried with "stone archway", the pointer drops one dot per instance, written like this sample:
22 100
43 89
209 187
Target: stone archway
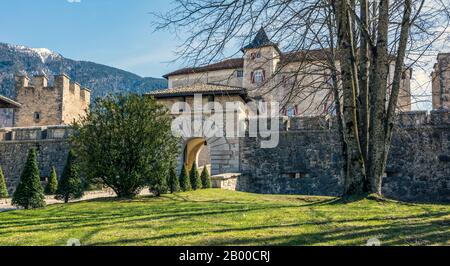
221 155
197 150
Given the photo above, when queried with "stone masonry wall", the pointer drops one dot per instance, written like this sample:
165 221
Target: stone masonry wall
307 160
51 146
44 105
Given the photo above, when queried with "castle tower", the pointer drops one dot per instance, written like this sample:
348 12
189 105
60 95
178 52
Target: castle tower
44 105
441 82
261 57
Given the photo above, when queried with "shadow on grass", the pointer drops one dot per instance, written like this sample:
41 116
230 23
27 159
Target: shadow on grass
419 233
402 230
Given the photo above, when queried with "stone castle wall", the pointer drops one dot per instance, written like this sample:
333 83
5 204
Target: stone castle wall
308 160
50 143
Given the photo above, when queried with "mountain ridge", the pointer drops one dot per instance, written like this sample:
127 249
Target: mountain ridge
101 79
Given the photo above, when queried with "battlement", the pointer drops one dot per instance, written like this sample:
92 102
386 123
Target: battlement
61 103
62 83
35 133
413 119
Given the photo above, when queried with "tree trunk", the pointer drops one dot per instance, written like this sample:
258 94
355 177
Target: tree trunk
364 64
335 89
355 173
378 93
396 84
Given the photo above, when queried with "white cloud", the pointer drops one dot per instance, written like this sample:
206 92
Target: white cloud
74 1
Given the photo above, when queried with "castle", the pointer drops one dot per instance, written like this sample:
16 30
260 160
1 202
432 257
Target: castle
41 118
307 159
43 105
299 81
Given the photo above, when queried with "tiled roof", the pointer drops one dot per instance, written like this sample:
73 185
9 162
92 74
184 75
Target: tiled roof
208 89
237 63
226 64
306 55
8 103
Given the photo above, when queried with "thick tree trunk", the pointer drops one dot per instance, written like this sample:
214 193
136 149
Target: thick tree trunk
396 84
378 91
364 64
335 87
355 172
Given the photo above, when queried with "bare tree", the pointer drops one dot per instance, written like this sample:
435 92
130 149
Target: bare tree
352 45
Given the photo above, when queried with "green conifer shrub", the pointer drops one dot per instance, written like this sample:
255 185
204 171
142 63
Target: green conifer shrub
206 178
174 183
185 183
29 194
3 189
71 185
52 184
195 179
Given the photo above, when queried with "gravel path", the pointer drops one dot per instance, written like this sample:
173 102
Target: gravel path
5 204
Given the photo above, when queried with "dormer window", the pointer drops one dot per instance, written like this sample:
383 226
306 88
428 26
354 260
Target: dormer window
239 73
258 76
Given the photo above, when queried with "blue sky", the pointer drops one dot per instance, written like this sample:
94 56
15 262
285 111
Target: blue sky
118 33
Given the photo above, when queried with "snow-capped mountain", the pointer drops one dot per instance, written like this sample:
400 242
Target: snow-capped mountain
101 79
43 53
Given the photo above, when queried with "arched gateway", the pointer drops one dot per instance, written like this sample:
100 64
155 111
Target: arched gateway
219 154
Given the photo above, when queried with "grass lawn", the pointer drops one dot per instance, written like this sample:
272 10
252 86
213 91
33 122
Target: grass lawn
217 217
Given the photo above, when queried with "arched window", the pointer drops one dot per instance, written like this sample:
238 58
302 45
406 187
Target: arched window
258 76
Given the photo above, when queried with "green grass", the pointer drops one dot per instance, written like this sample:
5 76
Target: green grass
216 217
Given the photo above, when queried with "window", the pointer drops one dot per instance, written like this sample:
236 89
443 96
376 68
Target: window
291 111
256 55
258 76
391 174
239 73
183 105
37 116
295 175
210 98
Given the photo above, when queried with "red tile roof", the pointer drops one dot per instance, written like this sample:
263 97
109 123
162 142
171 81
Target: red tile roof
226 64
205 89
